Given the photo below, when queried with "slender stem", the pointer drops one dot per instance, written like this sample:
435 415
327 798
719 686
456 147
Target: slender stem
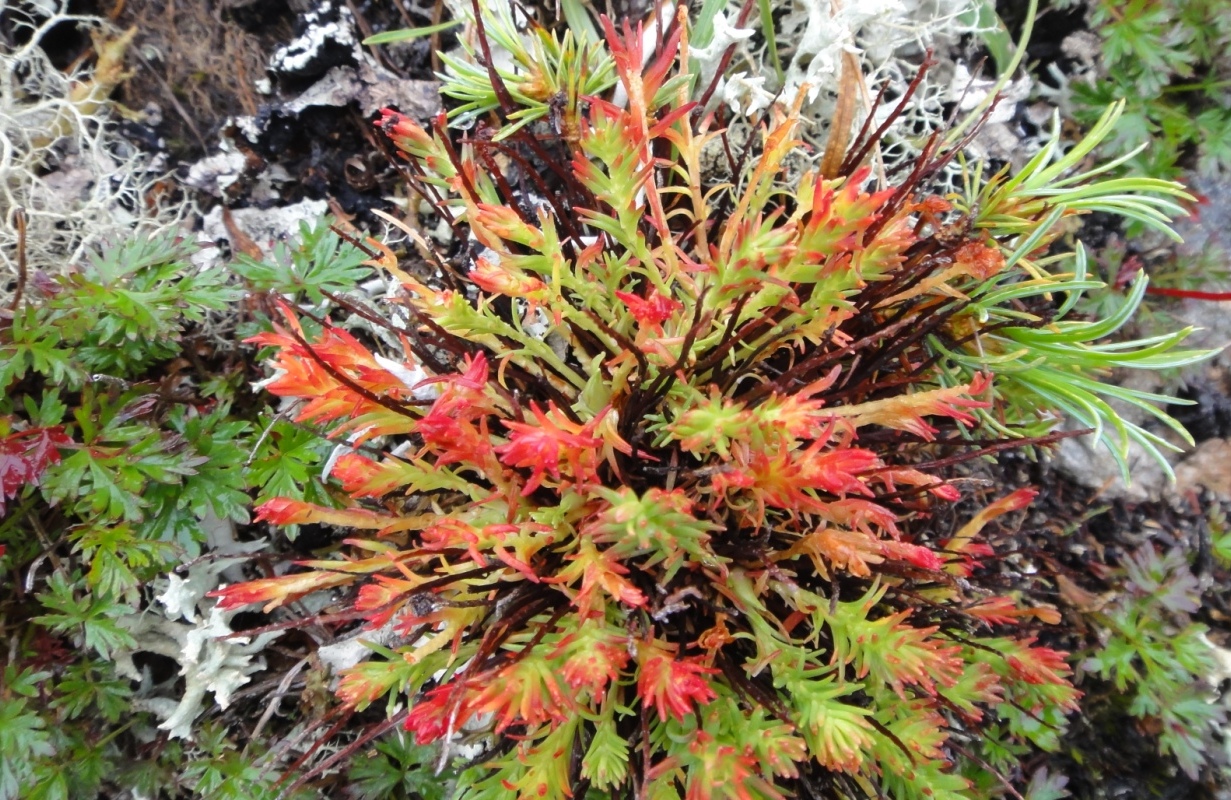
109 737
19 221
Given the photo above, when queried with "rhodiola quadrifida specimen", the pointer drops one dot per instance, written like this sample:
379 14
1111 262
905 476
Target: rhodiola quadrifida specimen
646 500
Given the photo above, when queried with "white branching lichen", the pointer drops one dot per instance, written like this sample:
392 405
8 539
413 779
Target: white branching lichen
888 39
78 183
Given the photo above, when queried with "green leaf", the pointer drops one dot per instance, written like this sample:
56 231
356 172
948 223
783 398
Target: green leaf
85 687
407 34
285 462
92 617
317 261
982 16
398 767
1215 140
606 761
23 739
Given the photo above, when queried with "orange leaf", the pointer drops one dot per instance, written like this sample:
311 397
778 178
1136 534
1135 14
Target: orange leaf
277 590
285 511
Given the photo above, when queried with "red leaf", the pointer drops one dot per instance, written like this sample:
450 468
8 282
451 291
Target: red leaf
1040 666
25 456
672 686
653 311
541 447
490 275
429 718
593 657
919 556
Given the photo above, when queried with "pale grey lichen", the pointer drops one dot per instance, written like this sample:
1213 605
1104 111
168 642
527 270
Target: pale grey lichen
888 39
188 627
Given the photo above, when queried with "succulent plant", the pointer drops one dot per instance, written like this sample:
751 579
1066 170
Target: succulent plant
647 500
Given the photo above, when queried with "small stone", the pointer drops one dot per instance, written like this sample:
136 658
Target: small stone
1090 464
266 227
1209 467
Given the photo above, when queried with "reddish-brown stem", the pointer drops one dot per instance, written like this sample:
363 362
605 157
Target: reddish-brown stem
415 178
442 136
1188 294
562 215
502 183
374 732
865 146
502 92
1009 444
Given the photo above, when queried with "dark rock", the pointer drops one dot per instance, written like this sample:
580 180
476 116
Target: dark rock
324 38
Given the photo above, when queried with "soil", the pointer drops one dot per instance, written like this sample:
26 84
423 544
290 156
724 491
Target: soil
200 67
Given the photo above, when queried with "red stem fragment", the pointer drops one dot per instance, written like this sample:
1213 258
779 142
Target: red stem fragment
1188 294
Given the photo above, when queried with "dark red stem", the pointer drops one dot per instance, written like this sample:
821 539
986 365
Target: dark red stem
1190 294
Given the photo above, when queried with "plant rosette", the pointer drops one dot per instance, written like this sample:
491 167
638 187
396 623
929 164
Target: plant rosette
662 515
